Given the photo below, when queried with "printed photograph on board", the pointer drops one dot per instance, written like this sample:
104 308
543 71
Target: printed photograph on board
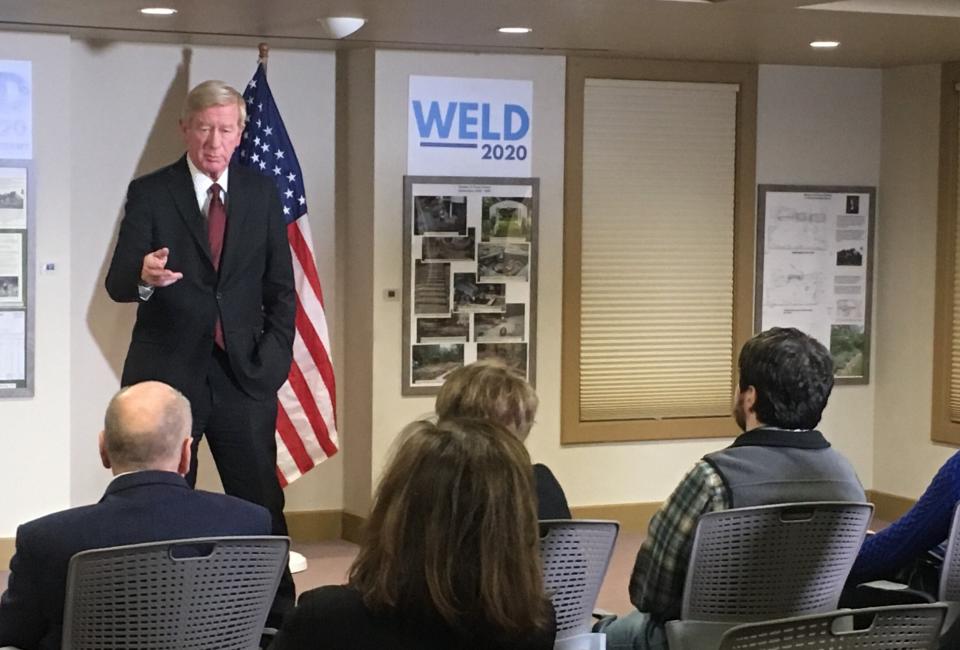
431 363
10 286
470 274
506 218
847 344
850 256
431 289
13 198
512 354
450 248
508 326
473 296
503 261
455 329
439 214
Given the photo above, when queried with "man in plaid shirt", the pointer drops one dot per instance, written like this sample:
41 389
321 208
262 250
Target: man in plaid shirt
785 380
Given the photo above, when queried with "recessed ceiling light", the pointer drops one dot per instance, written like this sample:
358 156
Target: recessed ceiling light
158 11
515 30
825 45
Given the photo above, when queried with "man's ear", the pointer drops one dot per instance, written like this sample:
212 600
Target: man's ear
102 444
185 452
749 397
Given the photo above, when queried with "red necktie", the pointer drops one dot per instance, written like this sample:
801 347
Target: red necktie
216 226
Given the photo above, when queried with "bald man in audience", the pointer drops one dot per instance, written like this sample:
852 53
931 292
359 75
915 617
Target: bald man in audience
146 444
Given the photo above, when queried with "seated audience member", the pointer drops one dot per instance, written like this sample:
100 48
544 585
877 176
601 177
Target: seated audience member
489 390
895 550
785 380
146 444
450 557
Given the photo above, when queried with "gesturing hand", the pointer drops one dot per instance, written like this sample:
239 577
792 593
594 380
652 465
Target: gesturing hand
155 272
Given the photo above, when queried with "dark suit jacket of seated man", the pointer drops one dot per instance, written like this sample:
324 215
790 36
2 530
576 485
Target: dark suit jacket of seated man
148 500
785 380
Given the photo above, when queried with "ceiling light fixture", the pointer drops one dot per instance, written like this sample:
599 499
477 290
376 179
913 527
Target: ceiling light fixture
158 11
825 45
342 26
515 30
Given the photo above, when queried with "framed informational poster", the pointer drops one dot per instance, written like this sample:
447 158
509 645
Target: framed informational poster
470 276
815 268
16 279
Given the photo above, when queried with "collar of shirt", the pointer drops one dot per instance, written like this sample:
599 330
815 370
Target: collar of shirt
765 436
202 183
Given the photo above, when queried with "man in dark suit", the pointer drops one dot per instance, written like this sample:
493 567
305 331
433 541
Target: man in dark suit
146 443
203 250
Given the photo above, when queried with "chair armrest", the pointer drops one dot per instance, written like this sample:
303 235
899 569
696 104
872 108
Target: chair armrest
587 641
695 635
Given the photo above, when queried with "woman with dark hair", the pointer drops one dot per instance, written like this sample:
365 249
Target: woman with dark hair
450 557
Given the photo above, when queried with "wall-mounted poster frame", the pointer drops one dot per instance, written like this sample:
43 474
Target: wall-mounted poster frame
815 268
469 275
17 255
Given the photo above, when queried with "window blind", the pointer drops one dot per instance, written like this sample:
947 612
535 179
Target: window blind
657 246
955 322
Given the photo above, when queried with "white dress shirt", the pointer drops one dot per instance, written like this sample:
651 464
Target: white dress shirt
201 186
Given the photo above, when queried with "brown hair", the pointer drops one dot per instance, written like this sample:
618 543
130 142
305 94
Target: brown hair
489 390
453 532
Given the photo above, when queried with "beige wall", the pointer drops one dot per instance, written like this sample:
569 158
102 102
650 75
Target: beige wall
35 461
108 112
590 474
821 126
355 213
105 112
905 458
126 128
816 126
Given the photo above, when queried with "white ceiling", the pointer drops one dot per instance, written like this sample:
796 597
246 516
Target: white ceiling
873 33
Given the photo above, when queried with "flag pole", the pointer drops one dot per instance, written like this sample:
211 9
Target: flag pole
264 54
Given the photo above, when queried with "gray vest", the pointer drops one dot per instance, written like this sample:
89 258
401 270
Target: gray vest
767 466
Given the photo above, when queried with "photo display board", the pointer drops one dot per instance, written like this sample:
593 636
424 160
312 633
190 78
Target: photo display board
470 276
815 268
16 283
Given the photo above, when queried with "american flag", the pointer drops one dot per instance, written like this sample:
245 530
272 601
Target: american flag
306 422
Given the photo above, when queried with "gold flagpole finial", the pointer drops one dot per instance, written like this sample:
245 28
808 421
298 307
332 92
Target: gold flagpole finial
264 53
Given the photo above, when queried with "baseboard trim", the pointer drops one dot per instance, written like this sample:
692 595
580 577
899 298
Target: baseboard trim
314 525
352 528
633 517
889 507
7 548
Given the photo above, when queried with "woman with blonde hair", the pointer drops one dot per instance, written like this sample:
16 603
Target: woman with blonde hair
450 557
490 390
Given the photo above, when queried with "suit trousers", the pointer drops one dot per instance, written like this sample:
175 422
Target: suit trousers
240 431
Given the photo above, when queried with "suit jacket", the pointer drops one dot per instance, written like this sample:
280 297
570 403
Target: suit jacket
140 507
253 293
551 501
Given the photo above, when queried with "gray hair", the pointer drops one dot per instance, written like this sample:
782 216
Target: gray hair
212 93
145 425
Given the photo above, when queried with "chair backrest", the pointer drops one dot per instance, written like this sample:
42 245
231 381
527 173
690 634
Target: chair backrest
899 627
950 574
575 556
199 594
753 564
